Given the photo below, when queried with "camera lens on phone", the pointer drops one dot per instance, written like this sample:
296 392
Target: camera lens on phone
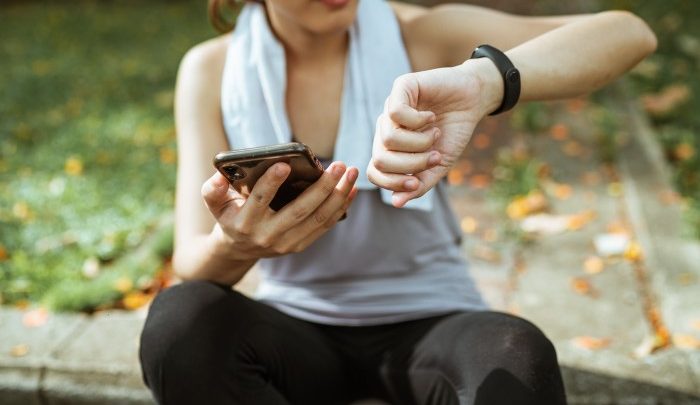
234 172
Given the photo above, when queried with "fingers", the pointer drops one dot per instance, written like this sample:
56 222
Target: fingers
304 205
264 191
332 209
218 195
404 163
391 181
402 102
316 232
404 140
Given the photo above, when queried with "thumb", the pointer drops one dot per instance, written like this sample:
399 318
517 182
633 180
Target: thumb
402 102
217 194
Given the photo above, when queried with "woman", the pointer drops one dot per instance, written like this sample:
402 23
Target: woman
379 304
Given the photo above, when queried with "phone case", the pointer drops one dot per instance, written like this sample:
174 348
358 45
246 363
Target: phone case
243 168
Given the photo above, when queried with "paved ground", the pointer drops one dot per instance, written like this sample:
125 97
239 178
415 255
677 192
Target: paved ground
598 316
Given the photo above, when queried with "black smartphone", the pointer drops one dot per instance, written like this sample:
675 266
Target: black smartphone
243 168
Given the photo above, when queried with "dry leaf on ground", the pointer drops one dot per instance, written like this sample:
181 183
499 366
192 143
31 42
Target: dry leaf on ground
582 286
593 265
35 318
590 342
667 100
559 131
633 252
20 350
688 342
136 299
469 225
650 344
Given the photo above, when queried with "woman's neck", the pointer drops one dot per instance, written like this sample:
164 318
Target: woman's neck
303 46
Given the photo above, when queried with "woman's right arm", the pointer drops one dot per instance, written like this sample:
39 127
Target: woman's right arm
199 252
220 234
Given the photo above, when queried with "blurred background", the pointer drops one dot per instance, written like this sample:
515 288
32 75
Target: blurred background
87 150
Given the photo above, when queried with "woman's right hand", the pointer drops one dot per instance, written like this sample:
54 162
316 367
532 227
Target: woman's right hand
250 229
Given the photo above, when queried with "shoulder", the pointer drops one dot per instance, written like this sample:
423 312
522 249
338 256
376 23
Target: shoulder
419 37
205 59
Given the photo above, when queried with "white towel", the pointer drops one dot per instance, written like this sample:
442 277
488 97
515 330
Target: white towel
254 83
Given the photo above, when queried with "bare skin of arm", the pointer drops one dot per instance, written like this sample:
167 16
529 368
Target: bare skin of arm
219 233
430 115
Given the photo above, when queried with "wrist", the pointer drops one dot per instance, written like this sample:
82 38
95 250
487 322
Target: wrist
489 81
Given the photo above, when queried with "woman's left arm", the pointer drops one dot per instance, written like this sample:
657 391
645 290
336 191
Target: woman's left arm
557 57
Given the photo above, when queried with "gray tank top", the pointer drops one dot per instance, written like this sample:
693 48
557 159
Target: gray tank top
379 265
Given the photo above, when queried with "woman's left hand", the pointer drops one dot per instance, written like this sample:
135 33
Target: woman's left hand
427 122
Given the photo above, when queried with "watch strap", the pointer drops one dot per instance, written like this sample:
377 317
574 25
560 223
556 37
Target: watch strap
510 75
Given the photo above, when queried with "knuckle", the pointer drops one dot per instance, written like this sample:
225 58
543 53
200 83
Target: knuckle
319 217
242 228
378 164
263 241
300 212
280 249
327 188
257 197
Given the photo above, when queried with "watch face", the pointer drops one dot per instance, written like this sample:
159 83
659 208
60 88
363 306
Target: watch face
512 75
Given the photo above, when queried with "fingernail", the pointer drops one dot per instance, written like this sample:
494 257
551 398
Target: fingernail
338 170
434 158
352 176
436 134
281 170
410 184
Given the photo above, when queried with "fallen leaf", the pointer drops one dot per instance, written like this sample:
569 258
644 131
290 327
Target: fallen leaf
590 342
123 285
650 344
136 299
667 100
576 105
469 225
617 227
479 180
20 350
481 141
520 207
563 191
582 286
168 155
684 151
22 304
20 209
35 318
611 244
559 132
593 265
455 177
486 253
578 221
633 252
3 253
688 342
615 189
73 166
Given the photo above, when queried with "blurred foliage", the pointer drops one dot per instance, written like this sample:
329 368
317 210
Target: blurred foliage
87 145
668 82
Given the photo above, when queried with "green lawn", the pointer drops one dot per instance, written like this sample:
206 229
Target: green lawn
87 151
87 146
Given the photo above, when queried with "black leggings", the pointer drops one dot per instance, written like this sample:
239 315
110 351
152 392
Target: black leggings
206 344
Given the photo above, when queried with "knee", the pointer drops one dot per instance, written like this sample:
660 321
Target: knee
514 338
182 327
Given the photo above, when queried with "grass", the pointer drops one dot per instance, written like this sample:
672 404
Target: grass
87 151
674 65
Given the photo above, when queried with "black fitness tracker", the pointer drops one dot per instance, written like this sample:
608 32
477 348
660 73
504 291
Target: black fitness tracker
511 76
